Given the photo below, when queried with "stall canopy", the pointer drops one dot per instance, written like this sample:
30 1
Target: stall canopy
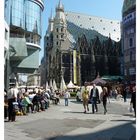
99 81
47 85
70 85
50 83
112 78
63 85
54 85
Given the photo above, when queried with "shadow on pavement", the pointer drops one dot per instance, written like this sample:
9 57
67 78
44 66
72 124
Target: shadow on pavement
77 112
76 102
73 112
131 115
124 120
122 132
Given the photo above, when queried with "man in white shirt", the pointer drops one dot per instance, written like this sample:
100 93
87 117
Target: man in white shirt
66 97
12 97
94 97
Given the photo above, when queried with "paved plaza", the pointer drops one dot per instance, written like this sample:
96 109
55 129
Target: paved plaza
61 122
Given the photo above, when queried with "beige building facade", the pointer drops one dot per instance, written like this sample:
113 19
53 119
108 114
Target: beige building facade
129 39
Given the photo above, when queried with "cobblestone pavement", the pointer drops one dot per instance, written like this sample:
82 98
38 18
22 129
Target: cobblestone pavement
70 123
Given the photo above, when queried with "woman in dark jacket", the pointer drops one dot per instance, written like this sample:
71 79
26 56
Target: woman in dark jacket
133 99
104 96
36 102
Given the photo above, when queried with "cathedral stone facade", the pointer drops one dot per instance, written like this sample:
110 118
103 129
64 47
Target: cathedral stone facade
78 46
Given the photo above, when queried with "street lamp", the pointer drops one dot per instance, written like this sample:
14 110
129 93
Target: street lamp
70 53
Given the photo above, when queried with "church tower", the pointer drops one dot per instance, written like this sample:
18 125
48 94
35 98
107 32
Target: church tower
51 21
59 26
48 42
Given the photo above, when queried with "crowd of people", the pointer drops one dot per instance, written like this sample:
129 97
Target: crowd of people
92 96
23 101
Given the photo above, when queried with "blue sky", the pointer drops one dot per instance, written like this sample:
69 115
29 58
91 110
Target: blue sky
110 9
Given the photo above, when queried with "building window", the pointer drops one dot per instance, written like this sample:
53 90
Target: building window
61 36
57 43
130 42
6 34
56 36
131 54
61 29
57 30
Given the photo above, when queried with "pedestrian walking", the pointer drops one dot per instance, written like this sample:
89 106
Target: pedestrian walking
125 92
104 96
66 97
133 99
94 98
85 97
114 92
12 98
5 105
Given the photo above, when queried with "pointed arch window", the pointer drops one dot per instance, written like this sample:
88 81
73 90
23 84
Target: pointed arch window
57 30
85 51
80 50
62 36
131 42
62 29
131 55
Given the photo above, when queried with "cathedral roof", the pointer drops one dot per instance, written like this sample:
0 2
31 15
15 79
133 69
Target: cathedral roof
128 4
92 26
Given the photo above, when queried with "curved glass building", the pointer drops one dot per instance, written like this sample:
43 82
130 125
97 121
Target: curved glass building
24 18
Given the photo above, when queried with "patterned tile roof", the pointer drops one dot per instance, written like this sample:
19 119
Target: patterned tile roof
91 26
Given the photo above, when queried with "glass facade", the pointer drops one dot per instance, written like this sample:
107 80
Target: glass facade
33 17
6 11
17 13
25 14
24 20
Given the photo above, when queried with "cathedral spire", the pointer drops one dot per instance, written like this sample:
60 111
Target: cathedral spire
60 6
51 20
51 16
109 35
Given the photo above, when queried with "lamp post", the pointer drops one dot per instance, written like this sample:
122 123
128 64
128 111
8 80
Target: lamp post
70 52
79 68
